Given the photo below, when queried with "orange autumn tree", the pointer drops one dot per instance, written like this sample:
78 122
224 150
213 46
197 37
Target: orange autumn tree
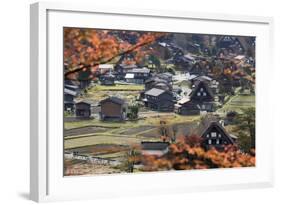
184 155
85 49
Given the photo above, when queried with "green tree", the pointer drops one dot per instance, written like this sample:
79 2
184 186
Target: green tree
133 112
154 61
246 123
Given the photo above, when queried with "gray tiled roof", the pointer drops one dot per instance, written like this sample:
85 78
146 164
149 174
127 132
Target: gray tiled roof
154 92
154 145
114 99
69 92
85 101
139 70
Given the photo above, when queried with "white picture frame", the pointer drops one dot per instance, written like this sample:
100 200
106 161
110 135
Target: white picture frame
46 178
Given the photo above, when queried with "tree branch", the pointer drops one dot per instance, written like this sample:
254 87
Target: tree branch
75 70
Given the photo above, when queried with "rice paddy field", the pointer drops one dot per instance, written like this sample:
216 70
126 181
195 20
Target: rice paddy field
237 103
111 140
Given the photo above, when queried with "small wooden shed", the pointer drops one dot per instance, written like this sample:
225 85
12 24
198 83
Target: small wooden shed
113 108
83 109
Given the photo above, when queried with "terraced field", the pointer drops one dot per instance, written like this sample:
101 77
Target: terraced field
111 140
238 102
101 138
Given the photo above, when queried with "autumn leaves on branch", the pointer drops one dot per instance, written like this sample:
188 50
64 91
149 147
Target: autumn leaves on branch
85 49
186 156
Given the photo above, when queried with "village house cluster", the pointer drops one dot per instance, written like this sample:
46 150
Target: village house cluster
203 86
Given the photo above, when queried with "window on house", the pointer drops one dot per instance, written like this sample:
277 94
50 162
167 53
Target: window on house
198 94
218 141
209 141
208 135
213 134
204 94
201 89
219 135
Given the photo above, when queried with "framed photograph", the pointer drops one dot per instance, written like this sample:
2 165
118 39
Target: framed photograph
127 102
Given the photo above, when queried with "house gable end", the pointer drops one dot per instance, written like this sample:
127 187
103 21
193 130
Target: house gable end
201 92
215 133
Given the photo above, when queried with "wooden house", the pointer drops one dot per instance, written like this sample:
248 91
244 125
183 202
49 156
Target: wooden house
160 100
137 75
83 109
186 107
203 96
107 79
165 76
120 70
198 69
156 82
68 99
105 68
204 78
225 41
213 84
71 87
154 148
113 108
181 61
213 133
237 45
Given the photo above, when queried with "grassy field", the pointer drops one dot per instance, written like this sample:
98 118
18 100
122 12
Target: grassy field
170 118
237 102
101 139
100 92
91 122
129 87
123 133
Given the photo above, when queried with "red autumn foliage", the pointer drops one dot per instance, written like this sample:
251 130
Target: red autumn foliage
183 156
84 49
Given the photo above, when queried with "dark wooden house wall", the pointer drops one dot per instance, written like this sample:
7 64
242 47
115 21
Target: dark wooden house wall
111 109
68 97
188 109
163 102
83 110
